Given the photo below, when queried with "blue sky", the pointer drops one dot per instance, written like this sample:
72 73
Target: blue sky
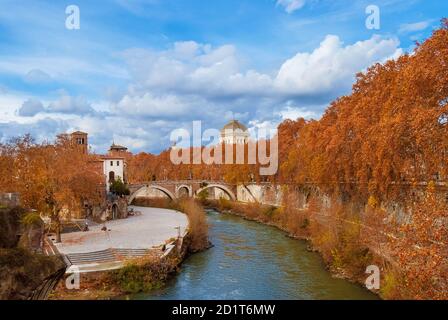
138 69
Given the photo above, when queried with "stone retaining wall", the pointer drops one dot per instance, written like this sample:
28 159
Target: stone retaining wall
9 199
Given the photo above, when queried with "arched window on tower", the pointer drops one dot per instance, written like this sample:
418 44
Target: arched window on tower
111 176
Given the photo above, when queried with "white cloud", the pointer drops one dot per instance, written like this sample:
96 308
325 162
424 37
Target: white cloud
193 81
262 129
138 134
43 129
190 67
286 112
9 104
150 105
294 113
414 27
291 5
331 68
70 105
30 108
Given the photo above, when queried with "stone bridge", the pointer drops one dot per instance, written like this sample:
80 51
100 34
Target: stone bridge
264 193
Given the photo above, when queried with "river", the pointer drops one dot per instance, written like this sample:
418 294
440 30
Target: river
251 261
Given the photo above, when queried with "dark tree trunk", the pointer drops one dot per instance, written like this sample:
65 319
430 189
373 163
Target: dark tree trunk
58 232
58 225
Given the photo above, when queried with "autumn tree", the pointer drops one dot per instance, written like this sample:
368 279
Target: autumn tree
55 179
421 250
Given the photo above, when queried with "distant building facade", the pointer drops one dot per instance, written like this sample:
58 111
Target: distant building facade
113 169
234 132
112 165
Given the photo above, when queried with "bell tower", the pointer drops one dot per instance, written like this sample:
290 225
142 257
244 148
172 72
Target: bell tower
81 139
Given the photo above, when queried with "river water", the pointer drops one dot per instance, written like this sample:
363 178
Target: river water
251 261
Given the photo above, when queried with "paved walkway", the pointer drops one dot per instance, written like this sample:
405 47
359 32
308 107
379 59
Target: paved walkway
150 229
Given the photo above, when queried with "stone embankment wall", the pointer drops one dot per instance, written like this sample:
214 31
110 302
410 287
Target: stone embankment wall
273 195
22 269
113 208
9 199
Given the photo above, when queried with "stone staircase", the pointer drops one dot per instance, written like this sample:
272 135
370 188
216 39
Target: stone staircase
106 256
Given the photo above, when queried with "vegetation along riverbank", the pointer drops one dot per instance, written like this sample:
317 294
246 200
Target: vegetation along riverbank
147 273
373 172
350 237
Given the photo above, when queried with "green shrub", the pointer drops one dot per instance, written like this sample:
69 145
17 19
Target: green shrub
143 275
119 188
203 195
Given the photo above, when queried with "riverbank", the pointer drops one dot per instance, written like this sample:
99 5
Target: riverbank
345 261
252 261
23 268
137 275
345 257
169 238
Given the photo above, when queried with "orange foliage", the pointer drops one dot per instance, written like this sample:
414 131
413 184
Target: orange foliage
55 179
374 146
390 131
421 250
145 167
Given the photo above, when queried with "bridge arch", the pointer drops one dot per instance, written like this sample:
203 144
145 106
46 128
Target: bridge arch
184 187
218 186
167 192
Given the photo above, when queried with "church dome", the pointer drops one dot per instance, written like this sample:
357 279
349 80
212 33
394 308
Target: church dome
234 125
234 132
